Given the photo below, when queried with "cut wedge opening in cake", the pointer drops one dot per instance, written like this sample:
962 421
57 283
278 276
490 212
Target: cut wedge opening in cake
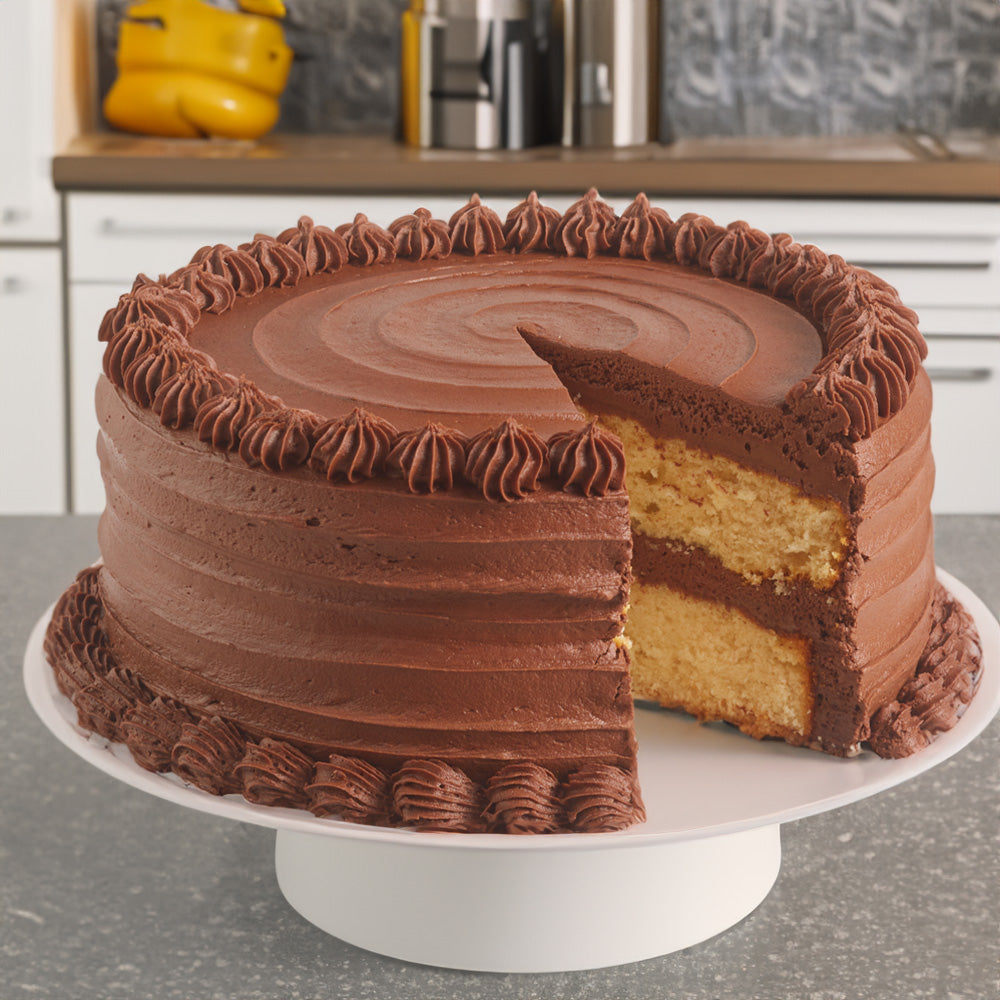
717 545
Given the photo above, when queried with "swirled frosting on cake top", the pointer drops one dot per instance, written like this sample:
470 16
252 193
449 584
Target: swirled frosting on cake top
438 339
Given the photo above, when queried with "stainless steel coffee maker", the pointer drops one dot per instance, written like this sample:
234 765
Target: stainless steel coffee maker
609 53
469 74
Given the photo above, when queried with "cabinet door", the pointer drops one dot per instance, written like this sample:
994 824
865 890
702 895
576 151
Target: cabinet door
29 206
87 306
112 237
33 480
965 374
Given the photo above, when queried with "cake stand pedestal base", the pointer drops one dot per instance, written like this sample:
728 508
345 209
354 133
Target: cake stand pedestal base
497 910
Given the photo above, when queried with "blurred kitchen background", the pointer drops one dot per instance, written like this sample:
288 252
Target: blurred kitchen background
869 127
729 67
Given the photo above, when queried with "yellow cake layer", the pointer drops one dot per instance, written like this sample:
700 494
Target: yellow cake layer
716 663
754 523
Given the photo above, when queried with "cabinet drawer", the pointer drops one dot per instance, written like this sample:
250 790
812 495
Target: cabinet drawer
33 480
959 321
114 237
935 254
965 373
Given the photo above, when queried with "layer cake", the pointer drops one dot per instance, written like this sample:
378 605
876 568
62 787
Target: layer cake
379 503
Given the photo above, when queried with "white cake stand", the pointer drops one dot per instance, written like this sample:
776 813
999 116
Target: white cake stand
706 857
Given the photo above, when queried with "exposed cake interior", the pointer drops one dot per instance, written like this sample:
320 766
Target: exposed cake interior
720 660
717 663
766 556
755 524
714 660
691 372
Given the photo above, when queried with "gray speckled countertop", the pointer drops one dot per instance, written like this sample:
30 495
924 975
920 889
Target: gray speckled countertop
109 893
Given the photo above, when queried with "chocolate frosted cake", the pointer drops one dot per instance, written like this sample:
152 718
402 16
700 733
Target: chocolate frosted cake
370 543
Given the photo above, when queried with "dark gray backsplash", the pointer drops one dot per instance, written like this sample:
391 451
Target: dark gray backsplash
731 67
790 67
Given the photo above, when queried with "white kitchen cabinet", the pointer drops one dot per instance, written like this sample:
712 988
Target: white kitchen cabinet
944 257
32 376
32 386
29 205
965 373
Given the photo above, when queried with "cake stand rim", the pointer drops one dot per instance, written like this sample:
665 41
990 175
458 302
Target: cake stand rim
50 705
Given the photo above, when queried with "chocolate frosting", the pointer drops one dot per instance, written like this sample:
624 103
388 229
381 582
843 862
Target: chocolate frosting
279 262
101 707
222 419
531 226
350 789
352 448
80 663
476 229
933 700
587 228
524 798
600 799
213 754
323 250
180 396
642 231
431 795
212 292
421 237
75 642
133 341
236 266
791 264
760 260
145 375
818 291
507 461
342 582
430 458
206 755
695 238
590 460
173 307
151 730
736 248
274 773
278 439
367 244
822 386
846 318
